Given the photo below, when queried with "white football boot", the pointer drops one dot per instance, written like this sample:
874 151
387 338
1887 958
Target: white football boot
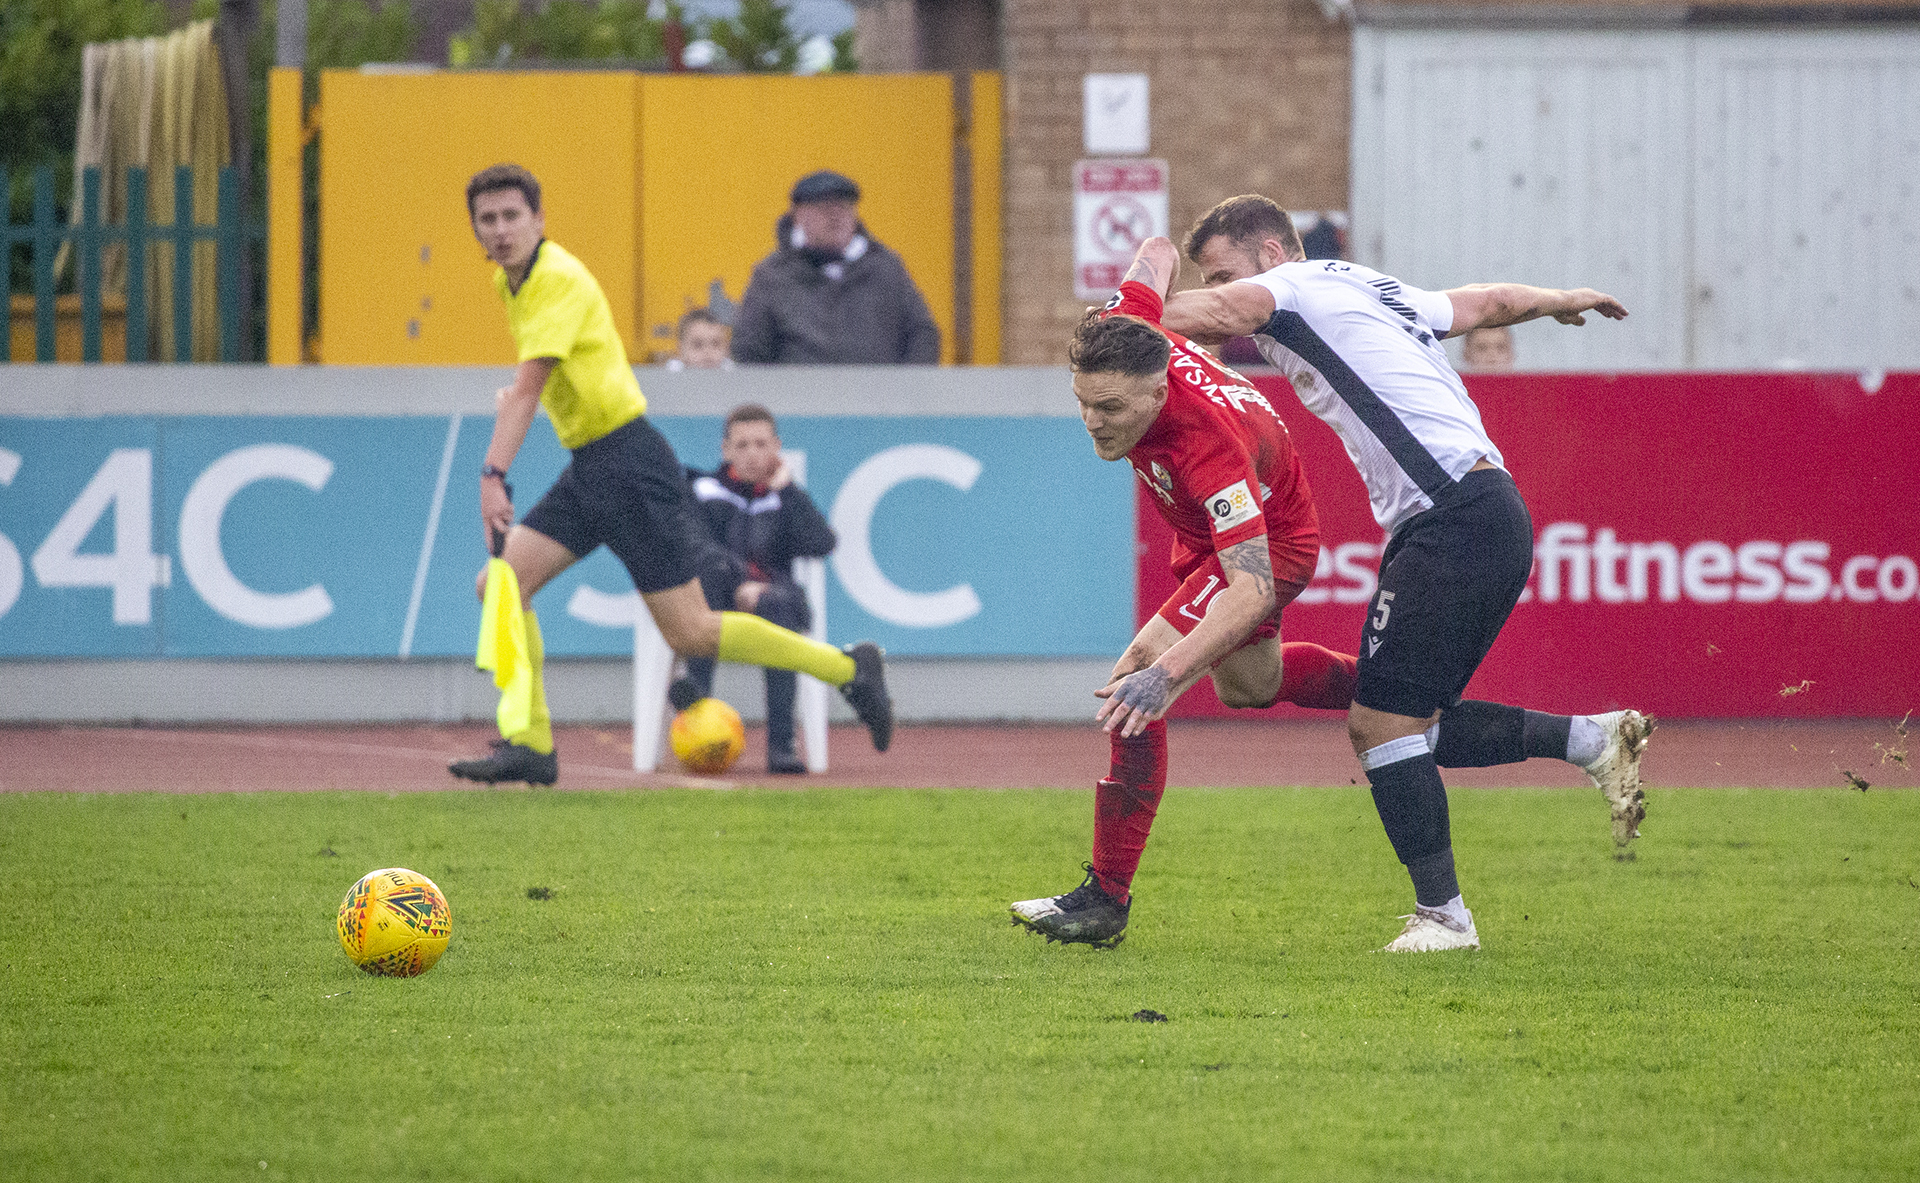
1617 772
1427 932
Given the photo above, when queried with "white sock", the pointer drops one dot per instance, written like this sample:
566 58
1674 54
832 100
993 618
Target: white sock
1586 740
1453 912
1395 750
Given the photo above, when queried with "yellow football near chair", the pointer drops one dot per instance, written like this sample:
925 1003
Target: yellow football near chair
708 736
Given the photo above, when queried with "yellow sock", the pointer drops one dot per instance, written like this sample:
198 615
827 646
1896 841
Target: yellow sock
749 640
539 732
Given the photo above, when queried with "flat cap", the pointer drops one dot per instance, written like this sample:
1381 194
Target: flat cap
824 185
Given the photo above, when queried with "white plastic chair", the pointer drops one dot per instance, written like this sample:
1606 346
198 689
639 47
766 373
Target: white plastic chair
653 669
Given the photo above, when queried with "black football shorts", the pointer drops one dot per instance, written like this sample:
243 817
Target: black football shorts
625 490
1448 581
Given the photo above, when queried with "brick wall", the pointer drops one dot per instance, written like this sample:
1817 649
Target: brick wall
885 36
1247 96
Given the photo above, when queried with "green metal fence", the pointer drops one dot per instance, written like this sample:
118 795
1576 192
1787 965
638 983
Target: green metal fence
90 236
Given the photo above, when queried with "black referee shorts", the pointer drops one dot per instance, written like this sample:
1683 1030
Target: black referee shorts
1448 581
628 491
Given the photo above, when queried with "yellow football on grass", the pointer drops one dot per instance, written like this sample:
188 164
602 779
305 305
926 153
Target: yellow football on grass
708 736
394 923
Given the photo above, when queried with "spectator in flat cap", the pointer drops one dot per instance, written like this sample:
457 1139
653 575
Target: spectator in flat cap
829 294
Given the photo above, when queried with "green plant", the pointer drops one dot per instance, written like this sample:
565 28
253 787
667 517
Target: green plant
845 61
40 46
561 31
760 40
342 34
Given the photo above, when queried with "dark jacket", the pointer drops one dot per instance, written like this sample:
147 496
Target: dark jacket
793 313
761 531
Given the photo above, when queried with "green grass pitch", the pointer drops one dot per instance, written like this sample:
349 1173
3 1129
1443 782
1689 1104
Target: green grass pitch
824 985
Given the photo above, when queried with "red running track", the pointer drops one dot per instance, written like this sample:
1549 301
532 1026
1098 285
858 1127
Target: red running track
1686 753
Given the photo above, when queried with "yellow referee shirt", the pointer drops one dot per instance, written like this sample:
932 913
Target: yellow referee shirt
560 312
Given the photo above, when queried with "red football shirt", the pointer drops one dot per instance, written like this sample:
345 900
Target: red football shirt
1219 461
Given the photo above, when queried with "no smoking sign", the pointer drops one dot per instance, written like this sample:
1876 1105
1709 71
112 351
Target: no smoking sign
1117 205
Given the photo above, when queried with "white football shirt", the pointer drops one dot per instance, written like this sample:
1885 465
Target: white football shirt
1363 352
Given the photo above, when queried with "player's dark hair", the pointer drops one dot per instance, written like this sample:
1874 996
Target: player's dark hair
1118 345
1246 221
504 176
748 413
691 317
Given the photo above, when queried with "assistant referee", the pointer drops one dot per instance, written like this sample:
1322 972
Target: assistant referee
624 487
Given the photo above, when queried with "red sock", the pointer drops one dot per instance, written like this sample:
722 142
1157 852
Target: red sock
1314 677
1124 805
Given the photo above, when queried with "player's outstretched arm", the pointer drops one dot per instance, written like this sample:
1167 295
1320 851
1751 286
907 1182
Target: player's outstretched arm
1145 695
1156 264
1491 305
1211 315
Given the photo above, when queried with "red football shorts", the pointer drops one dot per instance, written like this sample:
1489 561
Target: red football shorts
1292 571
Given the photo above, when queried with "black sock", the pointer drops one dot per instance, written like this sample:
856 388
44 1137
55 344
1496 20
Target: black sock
1412 801
1483 734
782 688
700 670
1434 882
1480 735
1548 735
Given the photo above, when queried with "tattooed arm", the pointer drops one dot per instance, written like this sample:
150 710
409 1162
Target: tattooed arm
1156 264
1490 305
1143 696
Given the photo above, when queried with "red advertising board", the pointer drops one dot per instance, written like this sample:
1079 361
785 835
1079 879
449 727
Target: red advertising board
1706 545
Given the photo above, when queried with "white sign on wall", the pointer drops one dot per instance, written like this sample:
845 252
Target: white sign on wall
1114 114
1117 205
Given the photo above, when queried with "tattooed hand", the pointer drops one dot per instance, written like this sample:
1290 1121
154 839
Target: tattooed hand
1135 701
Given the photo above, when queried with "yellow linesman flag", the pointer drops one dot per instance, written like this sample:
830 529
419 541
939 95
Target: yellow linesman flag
503 647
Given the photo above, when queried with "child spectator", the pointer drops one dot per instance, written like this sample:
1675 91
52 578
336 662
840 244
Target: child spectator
1487 350
702 343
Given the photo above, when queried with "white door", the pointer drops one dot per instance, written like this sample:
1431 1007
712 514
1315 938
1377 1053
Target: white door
1806 178
1747 194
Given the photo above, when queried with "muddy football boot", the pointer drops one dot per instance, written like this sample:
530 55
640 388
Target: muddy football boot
1617 772
1086 915
509 762
1429 932
867 692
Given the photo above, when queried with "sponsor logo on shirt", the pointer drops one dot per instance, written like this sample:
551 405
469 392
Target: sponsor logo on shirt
1158 481
1232 506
